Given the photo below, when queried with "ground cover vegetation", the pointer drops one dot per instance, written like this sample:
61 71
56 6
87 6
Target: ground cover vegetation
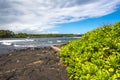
95 56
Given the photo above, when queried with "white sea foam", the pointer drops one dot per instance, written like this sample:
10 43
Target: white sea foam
15 45
10 42
16 40
29 39
6 43
59 41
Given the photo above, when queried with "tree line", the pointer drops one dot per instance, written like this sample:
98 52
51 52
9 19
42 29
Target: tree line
11 34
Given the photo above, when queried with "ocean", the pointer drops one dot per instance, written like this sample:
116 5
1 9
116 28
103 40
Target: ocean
10 44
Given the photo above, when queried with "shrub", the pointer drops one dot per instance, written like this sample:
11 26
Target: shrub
95 56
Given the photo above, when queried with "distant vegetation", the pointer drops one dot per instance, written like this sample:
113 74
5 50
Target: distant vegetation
6 34
96 56
10 34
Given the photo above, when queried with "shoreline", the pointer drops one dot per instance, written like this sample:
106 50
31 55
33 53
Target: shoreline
10 49
32 64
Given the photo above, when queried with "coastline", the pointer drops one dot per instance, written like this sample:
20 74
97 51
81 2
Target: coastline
32 64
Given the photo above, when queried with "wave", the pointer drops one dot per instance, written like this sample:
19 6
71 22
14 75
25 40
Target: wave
16 40
11 42
15 45
59 41
6 43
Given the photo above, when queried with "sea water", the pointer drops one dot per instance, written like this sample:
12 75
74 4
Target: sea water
9 44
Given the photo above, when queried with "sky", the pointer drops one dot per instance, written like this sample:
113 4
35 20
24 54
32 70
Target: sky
57 16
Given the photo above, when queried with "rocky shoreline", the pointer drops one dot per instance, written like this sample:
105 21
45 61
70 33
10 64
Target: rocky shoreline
32 64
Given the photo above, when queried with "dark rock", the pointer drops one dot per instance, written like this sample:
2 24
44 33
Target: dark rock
32 64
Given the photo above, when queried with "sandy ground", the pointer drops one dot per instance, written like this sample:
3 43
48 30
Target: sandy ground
36 64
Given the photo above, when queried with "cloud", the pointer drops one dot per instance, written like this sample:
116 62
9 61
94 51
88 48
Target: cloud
39 16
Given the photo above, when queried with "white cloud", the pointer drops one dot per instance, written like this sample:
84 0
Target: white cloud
38 16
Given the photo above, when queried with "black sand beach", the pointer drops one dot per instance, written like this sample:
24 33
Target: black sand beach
32 64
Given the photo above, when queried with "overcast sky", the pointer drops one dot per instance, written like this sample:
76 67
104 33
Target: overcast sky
48 16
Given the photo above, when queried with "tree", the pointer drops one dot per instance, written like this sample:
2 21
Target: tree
21 35
6 34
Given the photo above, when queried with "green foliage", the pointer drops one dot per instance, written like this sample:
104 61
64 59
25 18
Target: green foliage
96 56
21 35
10 34
6 34
52 35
